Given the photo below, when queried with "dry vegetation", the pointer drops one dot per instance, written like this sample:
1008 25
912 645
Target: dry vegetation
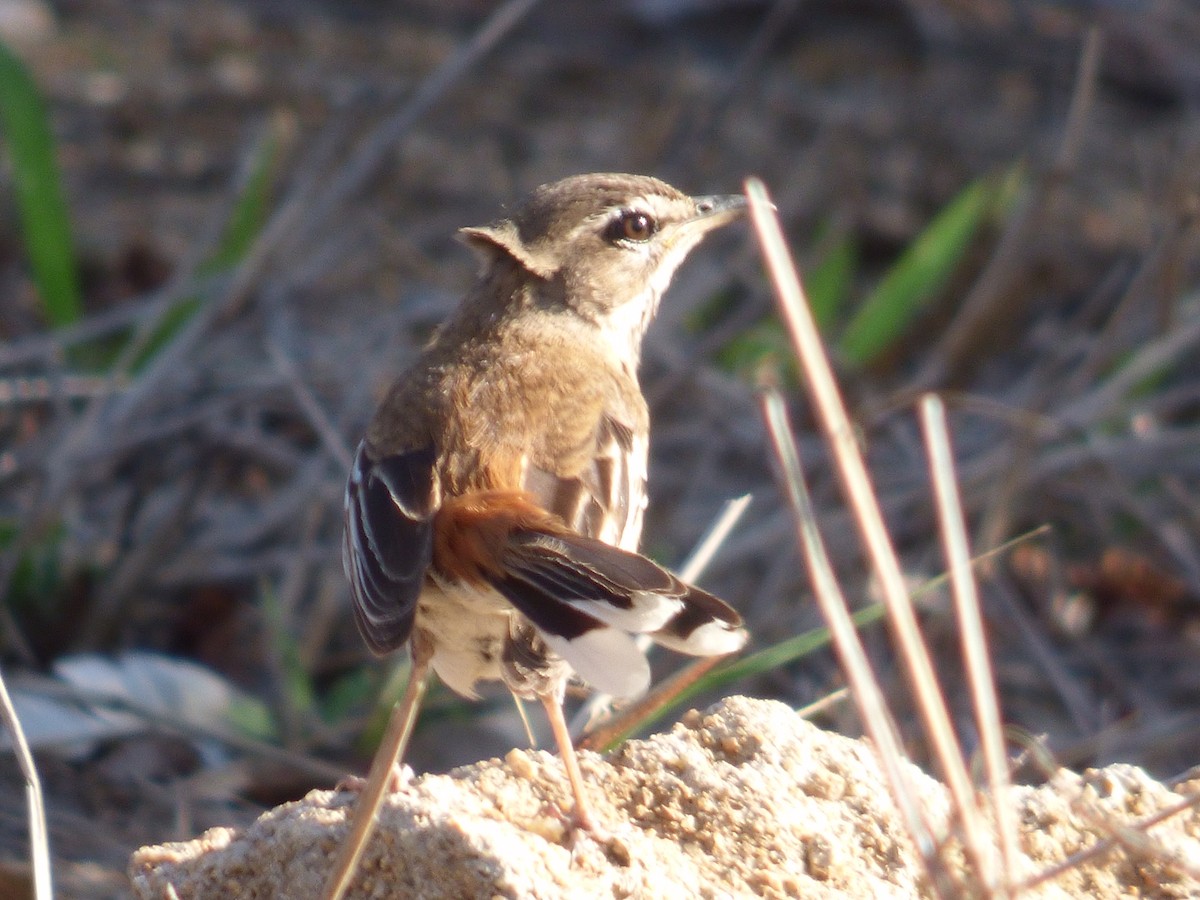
190 503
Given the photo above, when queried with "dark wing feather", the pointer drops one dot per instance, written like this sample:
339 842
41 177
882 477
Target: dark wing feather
587 569
586 598
611 587
388 541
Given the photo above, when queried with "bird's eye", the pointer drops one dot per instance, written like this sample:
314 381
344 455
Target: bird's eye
632 225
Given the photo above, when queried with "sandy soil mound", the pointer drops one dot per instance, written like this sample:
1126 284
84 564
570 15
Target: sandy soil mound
745 799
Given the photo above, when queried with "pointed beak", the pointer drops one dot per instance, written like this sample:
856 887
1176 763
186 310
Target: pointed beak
719 209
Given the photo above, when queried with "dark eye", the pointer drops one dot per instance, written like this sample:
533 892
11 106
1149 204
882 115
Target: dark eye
632 225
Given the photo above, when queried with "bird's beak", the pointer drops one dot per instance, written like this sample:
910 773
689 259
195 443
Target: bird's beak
719 209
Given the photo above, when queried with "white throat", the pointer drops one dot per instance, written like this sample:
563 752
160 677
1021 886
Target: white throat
626 325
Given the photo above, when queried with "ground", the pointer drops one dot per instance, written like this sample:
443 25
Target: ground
191 506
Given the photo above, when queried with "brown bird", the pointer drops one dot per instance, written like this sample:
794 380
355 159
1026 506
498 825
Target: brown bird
495 505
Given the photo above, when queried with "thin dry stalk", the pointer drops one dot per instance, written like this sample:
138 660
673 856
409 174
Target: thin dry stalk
191 266
970 625
52 348
41 389
92 430
39 837
856 483
1109 397
113 417
689 140
1134 302
828 702
702 555
632 716
863 683
1106 844
370 798
1135 840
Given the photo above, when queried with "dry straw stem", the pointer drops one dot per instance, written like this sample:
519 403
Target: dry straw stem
390 752
1104 846
39 837
839 434
863 683
970 624
313 411
720 529
1135 839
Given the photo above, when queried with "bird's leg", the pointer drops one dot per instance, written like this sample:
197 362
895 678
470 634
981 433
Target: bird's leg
581 815
391 751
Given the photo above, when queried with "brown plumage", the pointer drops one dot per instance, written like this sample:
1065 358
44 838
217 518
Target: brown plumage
495 504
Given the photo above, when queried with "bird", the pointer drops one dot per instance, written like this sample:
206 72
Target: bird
495 504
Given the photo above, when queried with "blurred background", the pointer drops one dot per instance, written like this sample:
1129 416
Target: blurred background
225 226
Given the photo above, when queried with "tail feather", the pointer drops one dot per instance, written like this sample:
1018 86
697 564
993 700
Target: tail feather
570 587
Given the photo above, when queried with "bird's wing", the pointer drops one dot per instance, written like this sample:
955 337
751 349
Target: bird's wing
607 497
388 541
583 595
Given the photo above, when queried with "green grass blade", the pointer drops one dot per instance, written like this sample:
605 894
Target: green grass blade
250 212
827 285
766 345
247 218
923 269
771 658
45 224
762 345
250 717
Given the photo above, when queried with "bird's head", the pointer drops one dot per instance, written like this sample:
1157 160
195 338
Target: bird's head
603 246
